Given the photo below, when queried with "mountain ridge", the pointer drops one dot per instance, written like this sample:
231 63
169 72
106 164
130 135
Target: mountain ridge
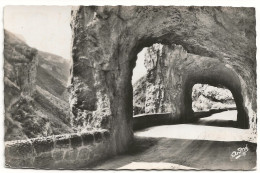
35 89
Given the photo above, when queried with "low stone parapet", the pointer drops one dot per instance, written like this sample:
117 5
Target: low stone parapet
147 120
68 151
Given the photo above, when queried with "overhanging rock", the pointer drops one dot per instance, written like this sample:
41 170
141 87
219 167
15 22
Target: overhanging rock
106 41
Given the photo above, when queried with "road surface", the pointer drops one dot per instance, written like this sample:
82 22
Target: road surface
207 144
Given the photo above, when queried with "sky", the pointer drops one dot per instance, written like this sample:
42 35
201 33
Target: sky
47 28
139 70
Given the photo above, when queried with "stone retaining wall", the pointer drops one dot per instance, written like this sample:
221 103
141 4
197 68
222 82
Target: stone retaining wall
68 151
147 120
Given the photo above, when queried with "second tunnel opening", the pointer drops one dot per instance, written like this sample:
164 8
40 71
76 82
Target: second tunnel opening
214 106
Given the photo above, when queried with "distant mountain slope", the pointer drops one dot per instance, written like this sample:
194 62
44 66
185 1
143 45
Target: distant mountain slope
57 66
53 73
35 94
48 82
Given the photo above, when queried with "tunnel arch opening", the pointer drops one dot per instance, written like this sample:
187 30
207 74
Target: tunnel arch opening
215 74
219 76
147 95
214 105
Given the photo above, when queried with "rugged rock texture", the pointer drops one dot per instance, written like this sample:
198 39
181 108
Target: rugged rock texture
156 101
31 108
139 96
219 48
206 97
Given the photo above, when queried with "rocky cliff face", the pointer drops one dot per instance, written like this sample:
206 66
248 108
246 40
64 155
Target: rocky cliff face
206 97
30 111
156 101
218 46
19 66
19 81
139 96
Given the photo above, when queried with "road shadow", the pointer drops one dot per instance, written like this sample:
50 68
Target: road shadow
217 123
201 118
205 114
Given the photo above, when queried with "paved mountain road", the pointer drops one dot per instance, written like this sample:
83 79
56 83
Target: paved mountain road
206 144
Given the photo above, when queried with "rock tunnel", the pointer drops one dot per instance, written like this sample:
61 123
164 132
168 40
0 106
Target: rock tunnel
172 73
217 47
218 75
